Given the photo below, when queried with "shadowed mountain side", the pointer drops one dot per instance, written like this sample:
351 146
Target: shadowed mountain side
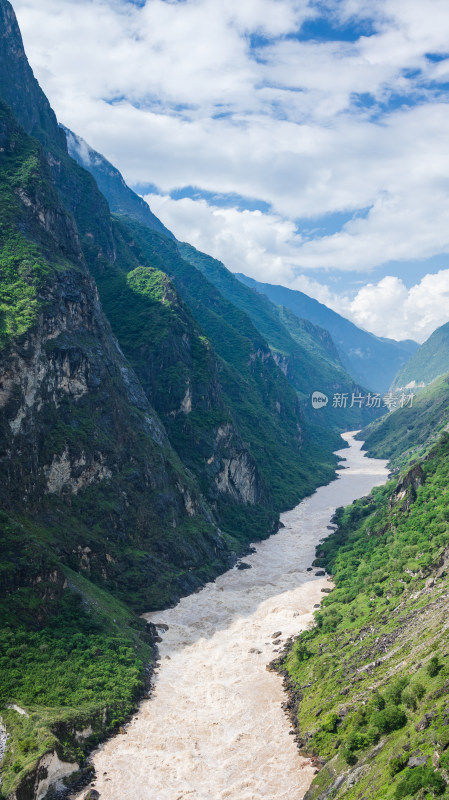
372 360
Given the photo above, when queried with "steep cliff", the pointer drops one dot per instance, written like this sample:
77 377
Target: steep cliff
140 449
121 199
81 446
263 404
227 470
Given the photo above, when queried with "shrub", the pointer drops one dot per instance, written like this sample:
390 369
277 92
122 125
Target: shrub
372 735
409 699
393 692
356 740
349 756
390 719
420 778
397 764
419 690
331 722
378 701
433 667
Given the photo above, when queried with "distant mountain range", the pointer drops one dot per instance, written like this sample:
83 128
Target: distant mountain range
370 359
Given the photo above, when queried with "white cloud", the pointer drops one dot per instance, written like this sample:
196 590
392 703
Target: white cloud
181 94
260 245
265 247
389 308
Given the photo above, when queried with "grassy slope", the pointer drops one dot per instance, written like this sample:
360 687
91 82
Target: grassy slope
71 654
367 664
429 362
405 433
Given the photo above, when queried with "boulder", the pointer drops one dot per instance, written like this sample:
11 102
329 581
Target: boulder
417 761
424 723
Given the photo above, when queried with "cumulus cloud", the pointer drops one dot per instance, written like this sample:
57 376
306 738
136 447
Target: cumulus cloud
228 97
262 246
388 307
266 247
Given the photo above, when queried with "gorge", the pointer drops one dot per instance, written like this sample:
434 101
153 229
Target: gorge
213 726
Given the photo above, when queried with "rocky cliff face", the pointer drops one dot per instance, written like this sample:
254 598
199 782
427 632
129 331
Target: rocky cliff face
101 248
18 86
75 421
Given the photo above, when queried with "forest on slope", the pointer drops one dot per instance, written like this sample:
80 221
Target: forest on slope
369 683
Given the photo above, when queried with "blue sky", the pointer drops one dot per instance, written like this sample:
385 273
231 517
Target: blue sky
301 142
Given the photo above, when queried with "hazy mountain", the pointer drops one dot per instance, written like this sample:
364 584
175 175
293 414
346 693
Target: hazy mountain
429 362
120 197
371 360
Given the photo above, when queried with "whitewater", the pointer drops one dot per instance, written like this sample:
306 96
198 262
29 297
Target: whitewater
213 727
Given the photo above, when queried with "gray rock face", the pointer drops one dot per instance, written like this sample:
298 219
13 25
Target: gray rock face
417 761
238 473
36 115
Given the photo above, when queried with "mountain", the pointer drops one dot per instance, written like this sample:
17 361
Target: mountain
371 360
369 684
147 436
429 362
407 432
120 197
305 353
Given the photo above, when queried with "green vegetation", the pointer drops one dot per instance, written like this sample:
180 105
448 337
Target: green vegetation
252 392
376 706
24 268
406 433
371 360
428 363
306 352
71 656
